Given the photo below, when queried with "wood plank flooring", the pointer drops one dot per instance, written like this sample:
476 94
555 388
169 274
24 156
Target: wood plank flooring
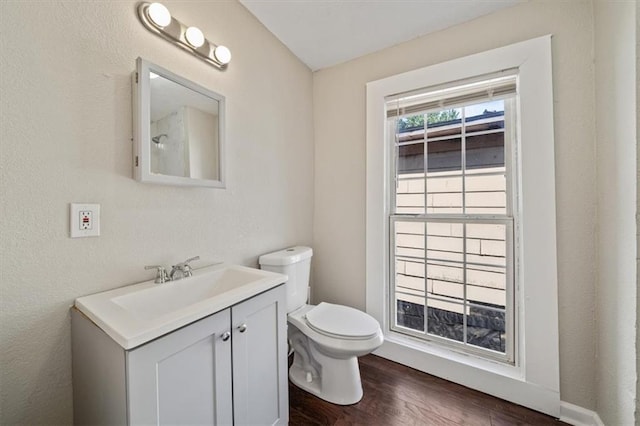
399 395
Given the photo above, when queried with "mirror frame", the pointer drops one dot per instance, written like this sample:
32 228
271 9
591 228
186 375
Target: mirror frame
142 127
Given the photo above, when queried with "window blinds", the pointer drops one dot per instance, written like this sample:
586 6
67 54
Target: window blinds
456 94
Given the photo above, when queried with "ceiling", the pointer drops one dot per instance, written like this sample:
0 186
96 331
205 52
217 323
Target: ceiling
323 33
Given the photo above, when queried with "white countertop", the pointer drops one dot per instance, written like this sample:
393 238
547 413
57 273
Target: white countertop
136 314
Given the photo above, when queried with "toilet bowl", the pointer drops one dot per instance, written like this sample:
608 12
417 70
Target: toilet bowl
327 339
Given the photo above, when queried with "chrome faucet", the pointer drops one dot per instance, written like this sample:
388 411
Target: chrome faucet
161 275
182 270
179 271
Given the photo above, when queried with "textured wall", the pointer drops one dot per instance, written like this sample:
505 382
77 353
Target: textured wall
616 117
339 117
66 130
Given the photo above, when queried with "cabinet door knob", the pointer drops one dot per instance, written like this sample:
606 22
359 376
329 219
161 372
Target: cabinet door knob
225 336
243 328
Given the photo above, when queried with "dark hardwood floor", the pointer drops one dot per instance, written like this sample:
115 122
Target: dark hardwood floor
399 395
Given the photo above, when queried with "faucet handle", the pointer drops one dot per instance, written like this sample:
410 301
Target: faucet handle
161 275
185 265
191 259
183 268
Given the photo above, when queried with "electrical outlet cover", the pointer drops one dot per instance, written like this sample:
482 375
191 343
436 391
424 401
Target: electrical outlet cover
84 220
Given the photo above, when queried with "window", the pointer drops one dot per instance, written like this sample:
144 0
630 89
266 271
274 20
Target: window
460 222
452 216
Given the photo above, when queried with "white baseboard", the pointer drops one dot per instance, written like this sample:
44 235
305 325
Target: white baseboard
578 416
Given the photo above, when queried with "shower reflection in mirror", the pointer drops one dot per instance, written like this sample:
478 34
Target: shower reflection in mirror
179 129
184 132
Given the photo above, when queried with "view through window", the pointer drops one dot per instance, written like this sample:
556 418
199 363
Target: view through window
452 219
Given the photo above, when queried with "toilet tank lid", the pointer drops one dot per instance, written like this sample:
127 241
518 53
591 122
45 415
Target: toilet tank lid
287 256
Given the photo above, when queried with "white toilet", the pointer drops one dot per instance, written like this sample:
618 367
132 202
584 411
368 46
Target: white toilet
327 339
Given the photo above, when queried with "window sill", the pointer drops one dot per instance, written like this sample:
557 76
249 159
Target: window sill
452 355
491 377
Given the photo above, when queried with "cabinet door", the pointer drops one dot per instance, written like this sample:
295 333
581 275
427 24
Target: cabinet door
260 392
184 377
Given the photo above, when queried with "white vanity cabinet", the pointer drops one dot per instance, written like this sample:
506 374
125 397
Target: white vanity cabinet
227 368
183 377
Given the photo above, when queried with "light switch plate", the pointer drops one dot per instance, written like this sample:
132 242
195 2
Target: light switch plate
84 220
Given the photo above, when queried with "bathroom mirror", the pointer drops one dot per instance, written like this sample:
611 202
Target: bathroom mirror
178 129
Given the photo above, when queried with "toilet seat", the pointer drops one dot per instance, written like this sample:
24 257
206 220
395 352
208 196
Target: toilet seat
341 322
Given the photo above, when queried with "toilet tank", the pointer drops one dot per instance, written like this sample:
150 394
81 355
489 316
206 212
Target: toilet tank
295 262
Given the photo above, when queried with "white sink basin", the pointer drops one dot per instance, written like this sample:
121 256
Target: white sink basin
138 313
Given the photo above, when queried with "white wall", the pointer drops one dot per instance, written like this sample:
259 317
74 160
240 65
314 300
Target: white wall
339 118
616 119
65 137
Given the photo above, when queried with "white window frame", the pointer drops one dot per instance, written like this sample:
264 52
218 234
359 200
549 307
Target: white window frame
533 380
507 219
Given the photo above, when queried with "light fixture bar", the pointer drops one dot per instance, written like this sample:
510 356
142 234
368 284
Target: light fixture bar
157 19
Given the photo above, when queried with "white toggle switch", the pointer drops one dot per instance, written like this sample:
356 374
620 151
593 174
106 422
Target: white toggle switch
84 220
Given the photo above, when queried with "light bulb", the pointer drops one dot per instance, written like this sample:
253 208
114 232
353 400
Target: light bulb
159 14
194 36
222 54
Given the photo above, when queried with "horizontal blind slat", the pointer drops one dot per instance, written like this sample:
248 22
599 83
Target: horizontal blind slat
412 103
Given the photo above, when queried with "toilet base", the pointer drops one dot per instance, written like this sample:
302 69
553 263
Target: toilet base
338 381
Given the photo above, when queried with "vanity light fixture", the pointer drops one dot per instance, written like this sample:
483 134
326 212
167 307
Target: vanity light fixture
222 54
194 36
157 19
159 14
